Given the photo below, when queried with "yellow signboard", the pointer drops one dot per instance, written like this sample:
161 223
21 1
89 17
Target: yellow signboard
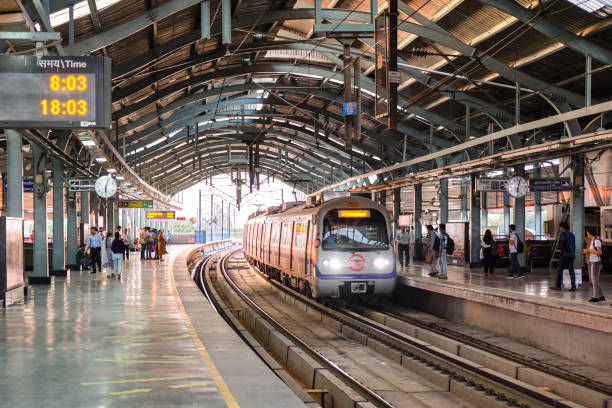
135 204
160 215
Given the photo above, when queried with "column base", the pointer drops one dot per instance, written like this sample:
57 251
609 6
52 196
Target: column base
13 296
58 272
42 280
73 267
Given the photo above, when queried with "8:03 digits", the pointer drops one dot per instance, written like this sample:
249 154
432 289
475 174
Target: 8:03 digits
70 107
69 83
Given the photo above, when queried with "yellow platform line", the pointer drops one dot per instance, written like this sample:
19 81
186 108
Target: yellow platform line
137 380
131 391
195 384
104 360
210 365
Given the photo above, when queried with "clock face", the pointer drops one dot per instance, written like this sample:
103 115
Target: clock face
517 187
106 186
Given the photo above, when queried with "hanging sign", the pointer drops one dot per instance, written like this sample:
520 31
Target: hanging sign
349 108
491 185
550 184
80 185
160 215
393 77
28 184
135 204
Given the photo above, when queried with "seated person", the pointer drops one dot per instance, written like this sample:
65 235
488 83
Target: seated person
82 258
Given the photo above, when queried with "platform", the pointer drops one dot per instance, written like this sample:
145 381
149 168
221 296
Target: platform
526 309
89 341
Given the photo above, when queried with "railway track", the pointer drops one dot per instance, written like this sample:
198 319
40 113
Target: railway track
484 385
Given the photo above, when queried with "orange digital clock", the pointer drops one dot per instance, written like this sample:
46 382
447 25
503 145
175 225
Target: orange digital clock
68 83
70 107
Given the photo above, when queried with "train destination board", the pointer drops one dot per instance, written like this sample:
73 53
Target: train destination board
135 204
54 92
160 215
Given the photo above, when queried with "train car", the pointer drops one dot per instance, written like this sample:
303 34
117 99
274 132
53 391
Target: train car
339 248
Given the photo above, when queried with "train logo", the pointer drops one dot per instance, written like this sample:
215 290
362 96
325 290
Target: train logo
356 263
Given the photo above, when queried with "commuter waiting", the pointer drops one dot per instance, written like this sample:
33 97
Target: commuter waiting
118 249
94 246
82 258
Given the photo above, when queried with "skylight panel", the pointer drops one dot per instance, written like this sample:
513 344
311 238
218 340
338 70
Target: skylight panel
600 8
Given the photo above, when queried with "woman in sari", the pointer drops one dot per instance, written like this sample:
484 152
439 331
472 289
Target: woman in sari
161 245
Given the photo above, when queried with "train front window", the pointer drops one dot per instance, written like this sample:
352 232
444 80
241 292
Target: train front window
346 230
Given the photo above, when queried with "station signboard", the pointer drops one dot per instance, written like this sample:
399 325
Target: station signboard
53 92
550 184
135 204
393 77
492 185
28 184
81 185
349 108
160 215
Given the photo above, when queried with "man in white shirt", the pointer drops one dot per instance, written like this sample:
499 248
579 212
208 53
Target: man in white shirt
513 246
403 245
594 252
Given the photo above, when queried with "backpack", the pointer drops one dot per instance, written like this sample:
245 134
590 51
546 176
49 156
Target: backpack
520 247
604 256
450 245
495 248
436 245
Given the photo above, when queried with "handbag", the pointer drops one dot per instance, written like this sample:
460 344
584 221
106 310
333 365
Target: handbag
428 257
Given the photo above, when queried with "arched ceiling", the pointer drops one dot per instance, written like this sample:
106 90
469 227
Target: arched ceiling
184 105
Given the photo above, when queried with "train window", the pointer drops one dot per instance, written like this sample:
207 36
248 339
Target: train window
347 234
297 239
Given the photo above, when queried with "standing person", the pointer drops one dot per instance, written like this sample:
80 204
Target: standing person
442 250
155 242
108 255
430 241
411 235
594 253
94 245
513 246
403 245
149 243
126 244
567 245
118 251
143 242
488 258
161 245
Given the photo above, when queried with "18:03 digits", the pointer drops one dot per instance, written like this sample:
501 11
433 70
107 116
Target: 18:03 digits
70 107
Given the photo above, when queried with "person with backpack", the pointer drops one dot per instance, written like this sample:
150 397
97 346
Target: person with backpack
126 243
433 244
516 247
594 255
118 249
490 251
442 251
567 245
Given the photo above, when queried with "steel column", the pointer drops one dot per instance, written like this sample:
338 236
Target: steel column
95 206
392 121
588 81
85 207
348 97
397 204
474 223
205 20
71 228
58 262
464 202
110 216
484 212
116 218
519 217
124 218
357 82
143 221
41 254
418 209
443 201
577 226
537 204
226 21
14 167
507 216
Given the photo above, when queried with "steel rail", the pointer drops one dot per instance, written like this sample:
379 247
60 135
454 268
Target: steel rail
355 384
500 351
425 353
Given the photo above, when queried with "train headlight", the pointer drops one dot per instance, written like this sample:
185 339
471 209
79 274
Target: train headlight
381 263
333 263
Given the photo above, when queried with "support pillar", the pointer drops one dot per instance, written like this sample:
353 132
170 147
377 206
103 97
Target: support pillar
143 221
397 204
443 201
58 265
484 212
71 230
537 205
116 218
124 218
40 273
95 207
519 217
418 210
110 216
577 226
464 202
14 166
382 198
474 223
507 218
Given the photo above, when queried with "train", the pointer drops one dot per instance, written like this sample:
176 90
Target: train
340 248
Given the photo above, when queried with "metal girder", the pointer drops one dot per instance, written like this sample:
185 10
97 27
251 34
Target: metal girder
432 31
113 34
41 14
57 5
540 23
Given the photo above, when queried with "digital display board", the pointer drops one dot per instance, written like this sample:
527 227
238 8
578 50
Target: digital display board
160 215
54 92
135 204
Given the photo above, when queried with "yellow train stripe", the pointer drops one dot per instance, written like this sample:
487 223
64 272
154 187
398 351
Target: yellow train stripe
210 365
137 380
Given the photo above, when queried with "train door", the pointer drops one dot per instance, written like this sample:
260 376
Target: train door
305 249
295 246
277 243
284 250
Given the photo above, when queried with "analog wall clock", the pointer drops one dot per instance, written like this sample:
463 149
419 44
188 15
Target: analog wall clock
517 186
106 186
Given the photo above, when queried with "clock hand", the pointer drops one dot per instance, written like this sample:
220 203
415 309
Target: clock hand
106 187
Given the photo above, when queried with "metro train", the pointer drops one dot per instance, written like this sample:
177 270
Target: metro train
339 248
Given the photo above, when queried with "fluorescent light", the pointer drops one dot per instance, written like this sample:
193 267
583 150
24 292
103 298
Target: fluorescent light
88 142
110 170
100 159
120 177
